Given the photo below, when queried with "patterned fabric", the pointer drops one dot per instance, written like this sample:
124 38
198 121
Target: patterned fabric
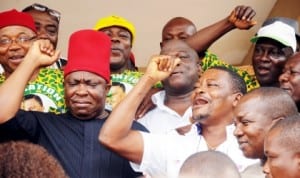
211 60
128 79
49 87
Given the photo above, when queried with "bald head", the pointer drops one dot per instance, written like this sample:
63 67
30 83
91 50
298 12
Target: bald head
179 21
208 164
178 28
272 100
288 133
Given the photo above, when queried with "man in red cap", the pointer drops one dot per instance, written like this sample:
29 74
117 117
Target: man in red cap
17 33
70 137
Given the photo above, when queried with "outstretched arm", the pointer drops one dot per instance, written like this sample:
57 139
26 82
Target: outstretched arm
116 132
240 17
40 54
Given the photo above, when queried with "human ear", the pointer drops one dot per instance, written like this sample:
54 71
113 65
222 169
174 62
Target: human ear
236 98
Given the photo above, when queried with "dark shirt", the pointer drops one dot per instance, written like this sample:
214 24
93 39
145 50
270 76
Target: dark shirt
73 142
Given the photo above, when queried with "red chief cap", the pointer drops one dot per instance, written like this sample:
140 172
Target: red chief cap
89 50
14 17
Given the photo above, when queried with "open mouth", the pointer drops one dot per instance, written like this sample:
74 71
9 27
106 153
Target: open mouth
116 49
287 89
242 144
263 70
16 59
200 101
176 73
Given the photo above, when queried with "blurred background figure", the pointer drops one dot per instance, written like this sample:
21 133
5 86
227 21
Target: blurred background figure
47 25
22 160
208 164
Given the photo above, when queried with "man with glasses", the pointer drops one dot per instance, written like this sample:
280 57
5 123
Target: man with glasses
17 33
274 43
47 25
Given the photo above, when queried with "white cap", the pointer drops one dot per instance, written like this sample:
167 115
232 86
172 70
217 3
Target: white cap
278 31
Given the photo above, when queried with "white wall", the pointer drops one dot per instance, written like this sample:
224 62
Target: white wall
149 18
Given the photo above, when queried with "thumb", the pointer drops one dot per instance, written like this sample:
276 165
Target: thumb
232 17
56 55
253 22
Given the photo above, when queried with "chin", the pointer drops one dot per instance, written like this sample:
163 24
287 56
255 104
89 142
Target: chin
83 115
200 118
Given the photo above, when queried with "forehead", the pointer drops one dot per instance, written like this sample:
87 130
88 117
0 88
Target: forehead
15 30
295 60
251 105
83 75
179 23
40 16
272 141
269 42
115 28
176 46
215 74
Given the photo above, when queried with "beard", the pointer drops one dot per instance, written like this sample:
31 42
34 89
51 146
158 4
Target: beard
200 117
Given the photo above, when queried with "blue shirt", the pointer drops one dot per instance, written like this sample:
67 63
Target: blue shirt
72 141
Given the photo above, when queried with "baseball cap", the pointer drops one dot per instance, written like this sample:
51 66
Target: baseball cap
278 31
118 21
291 22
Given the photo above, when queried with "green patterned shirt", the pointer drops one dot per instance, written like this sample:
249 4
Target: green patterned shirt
211 60
48 86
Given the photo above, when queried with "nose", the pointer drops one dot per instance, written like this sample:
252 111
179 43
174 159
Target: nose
264 56
114 38
82 90
42 33
266 168
14 45
284 77
237 131
198 90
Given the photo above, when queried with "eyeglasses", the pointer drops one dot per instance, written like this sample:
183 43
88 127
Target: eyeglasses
273 53
42 8
20 40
